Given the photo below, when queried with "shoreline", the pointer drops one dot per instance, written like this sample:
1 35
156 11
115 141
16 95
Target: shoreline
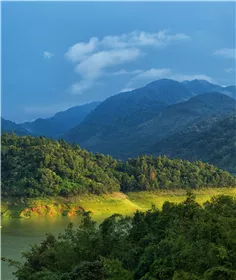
102 205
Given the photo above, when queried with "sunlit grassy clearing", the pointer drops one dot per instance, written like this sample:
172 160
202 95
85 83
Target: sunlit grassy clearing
105 205
129 203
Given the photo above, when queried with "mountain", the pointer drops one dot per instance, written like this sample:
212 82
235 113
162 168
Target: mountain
61 122
9 126
127 128
212 140
202 86
119 114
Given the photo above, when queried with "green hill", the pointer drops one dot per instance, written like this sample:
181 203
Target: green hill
33 167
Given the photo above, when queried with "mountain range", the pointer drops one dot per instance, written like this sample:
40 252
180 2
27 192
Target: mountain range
53 127
130 123
9 126
155 119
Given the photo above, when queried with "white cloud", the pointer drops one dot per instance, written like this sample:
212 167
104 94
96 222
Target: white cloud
92 58
126 90
182 77
229 70
153 74
47 55
91 68
141 38
124 72
226 53
80 87
79 51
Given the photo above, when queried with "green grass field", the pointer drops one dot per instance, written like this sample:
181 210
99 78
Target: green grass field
127 204
105 205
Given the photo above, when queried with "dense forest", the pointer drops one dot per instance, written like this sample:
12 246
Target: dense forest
33 167
212 140
181 242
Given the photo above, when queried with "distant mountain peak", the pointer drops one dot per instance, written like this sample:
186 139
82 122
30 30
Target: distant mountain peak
61 122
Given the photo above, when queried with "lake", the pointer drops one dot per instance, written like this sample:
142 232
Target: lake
18 234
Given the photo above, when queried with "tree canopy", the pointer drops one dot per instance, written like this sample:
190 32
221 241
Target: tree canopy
34 167
181 242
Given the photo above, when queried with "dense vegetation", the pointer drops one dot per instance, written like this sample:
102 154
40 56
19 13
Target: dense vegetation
34 167
181 242
213 141
38 166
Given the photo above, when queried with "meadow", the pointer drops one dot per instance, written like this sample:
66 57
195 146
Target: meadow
102 206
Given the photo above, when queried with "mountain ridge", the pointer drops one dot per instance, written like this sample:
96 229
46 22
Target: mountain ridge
133 137
59 123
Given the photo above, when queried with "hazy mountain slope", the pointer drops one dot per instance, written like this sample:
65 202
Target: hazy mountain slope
9 126
202 86
60 122
212 140
122 112
230 90
122 140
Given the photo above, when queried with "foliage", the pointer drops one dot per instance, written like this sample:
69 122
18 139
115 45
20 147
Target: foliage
38 166
181 242
34 167
213 141
150 173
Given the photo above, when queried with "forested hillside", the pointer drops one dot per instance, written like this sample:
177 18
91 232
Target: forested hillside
181 242
212 140
34 167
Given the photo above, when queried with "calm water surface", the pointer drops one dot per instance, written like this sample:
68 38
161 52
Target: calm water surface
18 234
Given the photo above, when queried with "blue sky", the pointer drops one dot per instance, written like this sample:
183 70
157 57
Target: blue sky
56 55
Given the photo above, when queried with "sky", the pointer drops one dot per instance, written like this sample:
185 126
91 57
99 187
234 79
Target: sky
56 55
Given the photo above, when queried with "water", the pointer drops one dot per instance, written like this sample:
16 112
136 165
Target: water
18 234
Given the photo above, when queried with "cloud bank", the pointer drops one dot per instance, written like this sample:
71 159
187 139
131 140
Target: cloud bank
95 58
226 53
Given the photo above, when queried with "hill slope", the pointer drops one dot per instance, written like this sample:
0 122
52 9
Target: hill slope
122 112
213 141
126 134
33 167
9 126
202 86
61 122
